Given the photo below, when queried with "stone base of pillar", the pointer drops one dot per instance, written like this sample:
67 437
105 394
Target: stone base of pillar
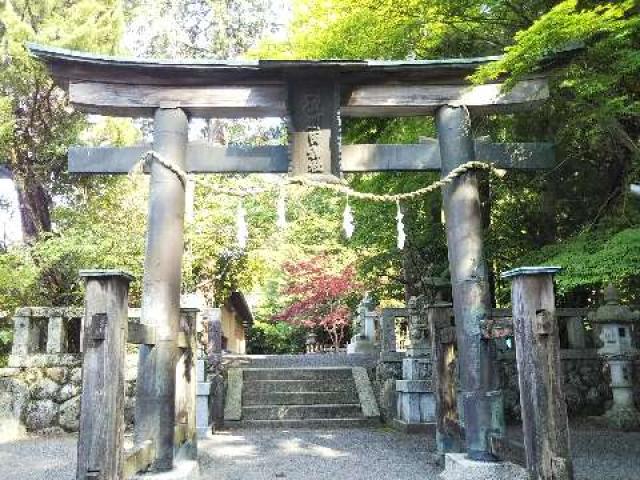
622 418
458 467
416 406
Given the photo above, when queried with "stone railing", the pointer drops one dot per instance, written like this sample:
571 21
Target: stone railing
586 378
39 332
49 336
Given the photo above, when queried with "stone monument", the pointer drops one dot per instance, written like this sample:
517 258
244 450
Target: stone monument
613 323
416 401
364 327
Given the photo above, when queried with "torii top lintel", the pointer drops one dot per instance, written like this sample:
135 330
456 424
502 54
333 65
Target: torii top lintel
228 89
312 94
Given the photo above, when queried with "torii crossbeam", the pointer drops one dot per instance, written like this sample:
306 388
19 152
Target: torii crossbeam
313 95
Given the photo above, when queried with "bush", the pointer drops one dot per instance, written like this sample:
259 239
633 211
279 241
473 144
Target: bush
276 338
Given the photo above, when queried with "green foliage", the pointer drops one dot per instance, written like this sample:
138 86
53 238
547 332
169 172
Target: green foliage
569 23
593 258
592 117
267 338
36 124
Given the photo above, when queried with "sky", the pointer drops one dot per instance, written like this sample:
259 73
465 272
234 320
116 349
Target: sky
10 229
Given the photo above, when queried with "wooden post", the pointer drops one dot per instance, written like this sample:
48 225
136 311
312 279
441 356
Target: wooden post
444 383
542 402
155 393
482 403
101 435
186 379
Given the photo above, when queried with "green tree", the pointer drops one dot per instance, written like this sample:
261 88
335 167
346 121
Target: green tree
592 117
36 124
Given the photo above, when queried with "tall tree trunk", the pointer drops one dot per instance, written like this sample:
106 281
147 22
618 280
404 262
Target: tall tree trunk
34 203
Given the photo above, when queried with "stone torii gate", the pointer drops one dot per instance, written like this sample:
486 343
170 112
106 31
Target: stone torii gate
313 95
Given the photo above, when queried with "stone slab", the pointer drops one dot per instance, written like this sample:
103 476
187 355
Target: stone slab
233 401
416 408
458 467
365 393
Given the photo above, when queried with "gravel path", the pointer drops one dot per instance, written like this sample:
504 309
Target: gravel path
341 454
39 458
356 454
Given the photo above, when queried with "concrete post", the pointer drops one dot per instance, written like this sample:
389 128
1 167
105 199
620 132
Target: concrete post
482 403
101 432
155 398
544 411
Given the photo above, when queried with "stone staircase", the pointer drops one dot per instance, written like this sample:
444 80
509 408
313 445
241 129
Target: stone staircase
305 397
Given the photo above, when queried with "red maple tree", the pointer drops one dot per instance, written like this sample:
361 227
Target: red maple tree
319 297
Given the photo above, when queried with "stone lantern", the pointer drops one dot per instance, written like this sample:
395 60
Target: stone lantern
365 338
416 401
613 323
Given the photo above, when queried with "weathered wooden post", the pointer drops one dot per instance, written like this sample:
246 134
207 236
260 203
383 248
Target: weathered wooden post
482 402
155 397
101 434
444 383
542 402
186 381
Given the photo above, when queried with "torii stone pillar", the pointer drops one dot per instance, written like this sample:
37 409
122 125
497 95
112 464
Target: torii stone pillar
155 393
471 299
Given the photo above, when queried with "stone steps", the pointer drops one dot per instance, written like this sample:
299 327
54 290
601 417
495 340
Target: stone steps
301 412
300 398
322 374
296 386
309 423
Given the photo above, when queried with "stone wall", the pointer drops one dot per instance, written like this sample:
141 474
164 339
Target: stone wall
43 395
586 384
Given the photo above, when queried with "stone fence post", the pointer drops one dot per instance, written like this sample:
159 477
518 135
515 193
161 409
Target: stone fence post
101 436
213 319
544 411
56 334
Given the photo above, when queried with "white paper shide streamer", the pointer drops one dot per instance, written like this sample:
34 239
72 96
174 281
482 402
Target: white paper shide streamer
400 225
282 209
347 221
242 231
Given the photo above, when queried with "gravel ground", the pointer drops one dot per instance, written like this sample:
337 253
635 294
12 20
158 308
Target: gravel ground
341 454
356 454
39 458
